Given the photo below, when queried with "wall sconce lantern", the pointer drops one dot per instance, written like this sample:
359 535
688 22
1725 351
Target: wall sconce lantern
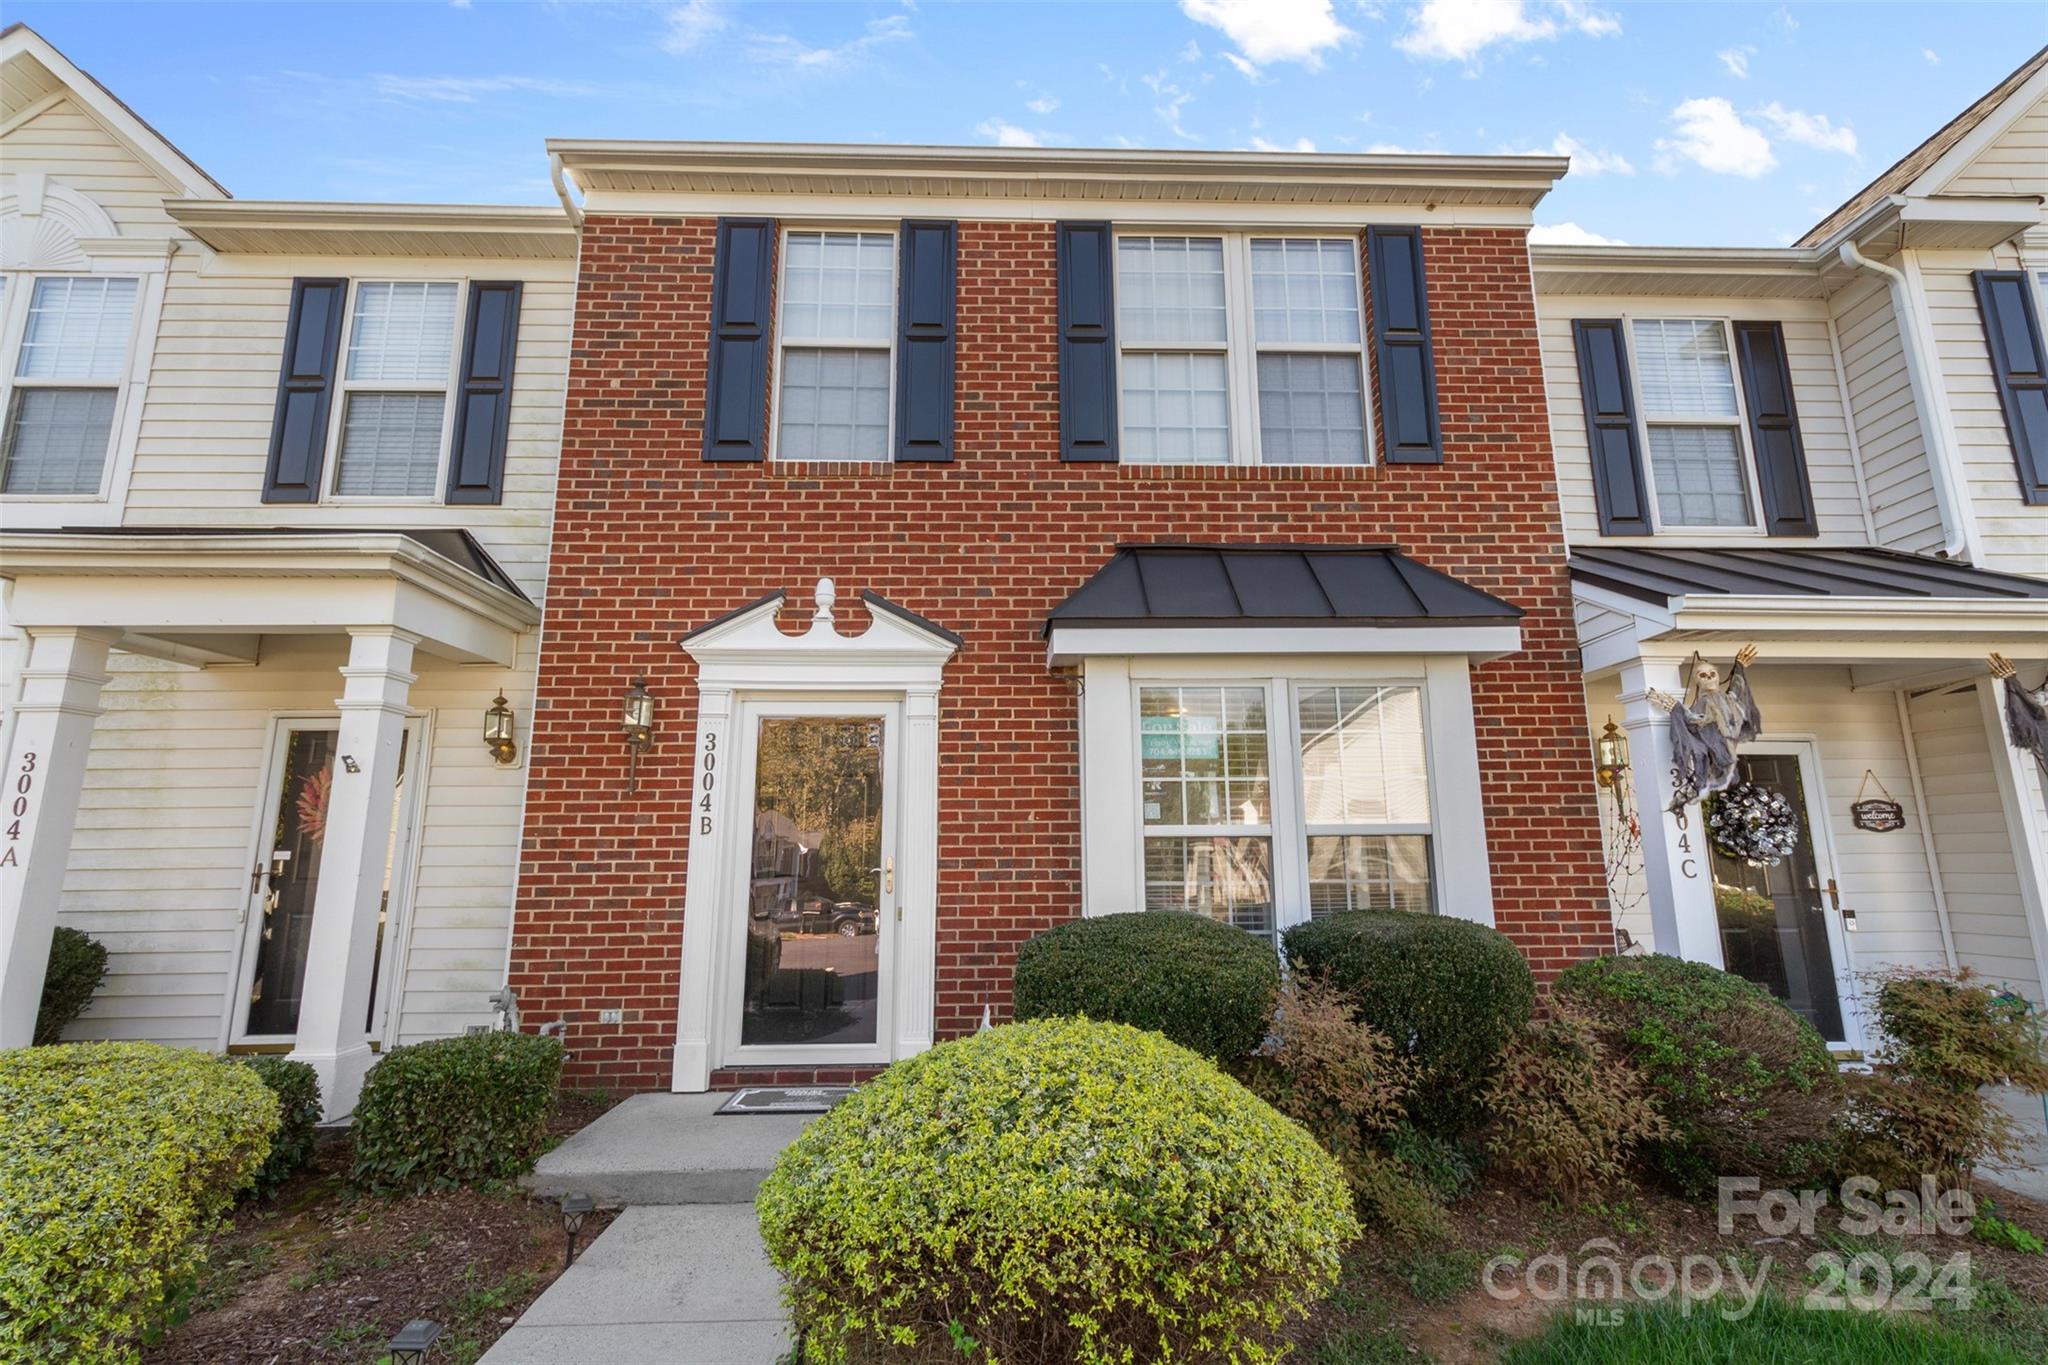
636 721
1610 754
413 1341
498 731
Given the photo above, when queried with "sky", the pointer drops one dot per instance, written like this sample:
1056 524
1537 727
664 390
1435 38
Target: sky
1697 124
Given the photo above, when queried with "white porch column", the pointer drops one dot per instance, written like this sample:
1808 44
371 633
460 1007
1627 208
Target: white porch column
2014 775
917 888
342 943
1683 920
50 734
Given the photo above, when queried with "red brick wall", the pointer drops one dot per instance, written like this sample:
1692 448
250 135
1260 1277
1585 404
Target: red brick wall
650 541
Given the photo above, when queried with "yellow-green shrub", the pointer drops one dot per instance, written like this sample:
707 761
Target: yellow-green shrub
1055 1190
116 1159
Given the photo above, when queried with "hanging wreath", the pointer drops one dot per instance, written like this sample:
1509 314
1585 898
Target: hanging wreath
1754 824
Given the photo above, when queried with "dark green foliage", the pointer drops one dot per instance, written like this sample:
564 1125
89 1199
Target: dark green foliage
297 1087
1746 1085
456 1111
1205 985
77 966
1449 992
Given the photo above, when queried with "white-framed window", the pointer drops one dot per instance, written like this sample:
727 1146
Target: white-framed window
835 345
1240 348
1690 405
68 343
1265 802
393 420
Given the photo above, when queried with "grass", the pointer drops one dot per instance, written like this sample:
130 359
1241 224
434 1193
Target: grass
1774 1333
1440 1276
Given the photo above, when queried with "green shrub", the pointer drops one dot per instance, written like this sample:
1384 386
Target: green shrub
1449 992
78 964
116 1160
1203 984
297 1087
455 1111
1565 1114
1746 1085
1056 1190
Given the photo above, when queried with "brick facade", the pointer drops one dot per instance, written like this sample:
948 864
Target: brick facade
650 541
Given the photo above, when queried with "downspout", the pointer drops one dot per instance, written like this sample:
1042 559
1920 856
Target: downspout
1941 460
561 179
1948 936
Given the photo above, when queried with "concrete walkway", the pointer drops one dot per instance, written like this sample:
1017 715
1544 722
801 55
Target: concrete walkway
680 1277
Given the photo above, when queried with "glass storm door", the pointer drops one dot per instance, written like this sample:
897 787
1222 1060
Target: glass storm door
821 884
1773 924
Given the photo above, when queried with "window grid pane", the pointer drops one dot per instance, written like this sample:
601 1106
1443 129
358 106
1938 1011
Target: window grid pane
1682 368
1363 760
1176 408
390 445
1368 872
57 441
1305 290
1203 756
1227 879
1311 410
838 286
834 405
1169 291
404 332
1699 474
77 328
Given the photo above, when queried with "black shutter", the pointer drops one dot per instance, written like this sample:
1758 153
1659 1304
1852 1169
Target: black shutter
924 340
1774 430
1615 452
305 391
736 393
1409 430
483 409
2019 366
1087 285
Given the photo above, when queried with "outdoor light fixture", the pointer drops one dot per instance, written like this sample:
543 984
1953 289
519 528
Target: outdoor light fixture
575 1208
413 1341
1610 754
498 731
636 721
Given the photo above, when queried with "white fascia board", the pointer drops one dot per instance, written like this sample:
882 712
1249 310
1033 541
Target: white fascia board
1069 645
1134 215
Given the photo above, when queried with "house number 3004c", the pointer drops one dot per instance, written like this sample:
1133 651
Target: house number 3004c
24 783
710 779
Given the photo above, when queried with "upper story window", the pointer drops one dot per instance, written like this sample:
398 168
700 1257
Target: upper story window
71 341
1692 415
1240 349
835 336
394 409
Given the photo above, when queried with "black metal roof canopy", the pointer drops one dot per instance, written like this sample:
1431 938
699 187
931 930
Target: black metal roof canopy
1274 585
1658 576
453 544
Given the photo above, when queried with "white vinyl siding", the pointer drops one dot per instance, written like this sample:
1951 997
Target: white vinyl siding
834 331
65 389
1904 512
395 384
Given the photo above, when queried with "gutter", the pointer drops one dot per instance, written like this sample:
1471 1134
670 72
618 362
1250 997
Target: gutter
1942 459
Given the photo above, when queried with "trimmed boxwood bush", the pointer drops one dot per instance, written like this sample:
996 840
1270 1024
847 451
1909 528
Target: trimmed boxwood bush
297 1087
1205 985
455 1111
116 1160
1746 1085
1056 1190
1449 992
78 963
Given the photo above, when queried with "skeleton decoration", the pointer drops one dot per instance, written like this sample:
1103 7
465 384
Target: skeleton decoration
1706 725
2026 713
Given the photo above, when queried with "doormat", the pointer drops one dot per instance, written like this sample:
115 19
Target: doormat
784 1099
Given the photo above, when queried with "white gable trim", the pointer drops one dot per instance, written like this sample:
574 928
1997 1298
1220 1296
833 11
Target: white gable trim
168 163
1995 125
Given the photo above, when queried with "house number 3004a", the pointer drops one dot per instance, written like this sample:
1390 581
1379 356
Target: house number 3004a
24 783
709 769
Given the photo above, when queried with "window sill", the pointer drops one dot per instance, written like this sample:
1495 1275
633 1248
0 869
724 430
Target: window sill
1230 473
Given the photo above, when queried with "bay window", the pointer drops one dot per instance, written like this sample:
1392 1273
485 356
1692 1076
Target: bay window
65 385
836 323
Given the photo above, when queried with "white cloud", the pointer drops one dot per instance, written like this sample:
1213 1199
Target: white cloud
1459 30
784 50
1932 57
469 89
690 23
1172 99
1569 234
1396 149
1711 135
1585 160
1301 144
1811 130
1273 30
1006 134
1192 52
1248 70
1044 104
1736 59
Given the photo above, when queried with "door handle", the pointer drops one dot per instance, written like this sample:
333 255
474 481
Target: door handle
888 871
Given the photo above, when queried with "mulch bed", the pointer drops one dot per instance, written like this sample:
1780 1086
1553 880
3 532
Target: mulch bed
320 1273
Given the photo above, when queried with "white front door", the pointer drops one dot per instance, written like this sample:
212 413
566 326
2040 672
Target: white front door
808 924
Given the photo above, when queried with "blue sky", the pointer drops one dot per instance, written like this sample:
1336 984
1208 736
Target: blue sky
1687 123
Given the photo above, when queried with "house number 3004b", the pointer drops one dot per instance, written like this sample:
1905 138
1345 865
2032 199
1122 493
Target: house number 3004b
709 769
24 783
